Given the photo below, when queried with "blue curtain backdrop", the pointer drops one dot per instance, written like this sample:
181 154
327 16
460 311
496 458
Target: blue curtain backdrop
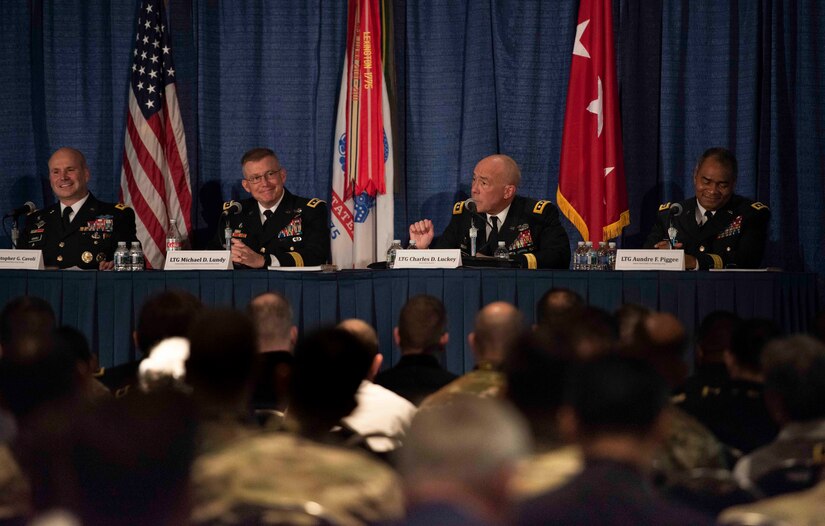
474 77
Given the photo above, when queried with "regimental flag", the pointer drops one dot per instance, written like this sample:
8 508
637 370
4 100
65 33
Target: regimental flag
362 168
155 175
592 192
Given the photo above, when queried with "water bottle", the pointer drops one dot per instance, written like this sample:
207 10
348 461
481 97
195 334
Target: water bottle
603 256
579 256
412 245
136 260
611 255
396 245
173 239
121 257
501 252
591 257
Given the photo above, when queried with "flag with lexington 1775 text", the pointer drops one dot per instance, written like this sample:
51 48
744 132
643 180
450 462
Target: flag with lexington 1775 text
362 169
592 192
155 173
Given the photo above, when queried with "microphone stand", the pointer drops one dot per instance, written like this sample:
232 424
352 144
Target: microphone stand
227 234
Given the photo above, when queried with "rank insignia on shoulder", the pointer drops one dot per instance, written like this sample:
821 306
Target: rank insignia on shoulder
664 206
312 203
458 208
539 208
121 206
759 206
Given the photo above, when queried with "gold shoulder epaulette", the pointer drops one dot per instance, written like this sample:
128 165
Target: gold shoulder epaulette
664 206
759 206
312 203
458 208
121 206
539 208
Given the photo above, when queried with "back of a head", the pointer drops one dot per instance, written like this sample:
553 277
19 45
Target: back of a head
749 339
422 323
365 333
165 315
630 319
661 342
131 460
557 307
466 442
497 328
329 366
794 369
715 334
593 333
222 353
535 371
614 395
26 325
272 315
74 342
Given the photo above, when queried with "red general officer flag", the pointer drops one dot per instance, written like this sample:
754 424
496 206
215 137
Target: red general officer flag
592 191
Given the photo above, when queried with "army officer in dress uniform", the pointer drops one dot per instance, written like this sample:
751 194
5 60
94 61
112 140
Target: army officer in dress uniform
717 228
78 231
530 229
274 227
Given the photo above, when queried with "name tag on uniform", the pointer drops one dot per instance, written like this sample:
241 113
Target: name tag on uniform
198 260
21 259
650 259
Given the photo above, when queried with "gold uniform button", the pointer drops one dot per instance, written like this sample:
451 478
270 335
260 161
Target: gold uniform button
61 244
701 249
291 249
87 257
60 258
263 250
727 249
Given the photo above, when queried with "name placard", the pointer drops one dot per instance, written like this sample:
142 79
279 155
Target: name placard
198 260
21 259
430 258
650 259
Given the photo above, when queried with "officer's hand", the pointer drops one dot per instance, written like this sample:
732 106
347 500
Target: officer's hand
106 265
665 245
422 233
244 255
691 263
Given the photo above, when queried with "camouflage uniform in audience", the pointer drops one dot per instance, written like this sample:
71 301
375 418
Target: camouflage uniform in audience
284 479
802 507
546 471
484 382
690 445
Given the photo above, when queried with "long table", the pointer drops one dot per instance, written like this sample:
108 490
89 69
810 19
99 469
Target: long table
104 305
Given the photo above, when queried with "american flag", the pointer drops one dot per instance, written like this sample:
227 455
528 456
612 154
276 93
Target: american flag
155 175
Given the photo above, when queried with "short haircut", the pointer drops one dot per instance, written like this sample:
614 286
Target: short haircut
721 155
558 306
74 342
497 332
794 368
422 322
25 322
715 333
165 315
131 459
256 154
468 441
364 332
614 395
222 352
272 315
749 339
329 366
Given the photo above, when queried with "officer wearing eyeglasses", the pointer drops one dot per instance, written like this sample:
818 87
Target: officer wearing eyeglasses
274 227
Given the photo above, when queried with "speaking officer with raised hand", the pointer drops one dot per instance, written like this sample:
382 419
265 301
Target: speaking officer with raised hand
717 228
273 227
78 231
530 229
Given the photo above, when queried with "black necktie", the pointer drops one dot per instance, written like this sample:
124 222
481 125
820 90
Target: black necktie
708 216
267 215
66 221
492 241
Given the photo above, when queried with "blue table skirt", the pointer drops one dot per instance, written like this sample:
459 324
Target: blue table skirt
104 305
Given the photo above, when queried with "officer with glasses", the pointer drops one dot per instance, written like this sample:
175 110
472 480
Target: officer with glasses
273 227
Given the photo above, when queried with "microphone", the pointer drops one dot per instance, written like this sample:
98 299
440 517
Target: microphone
470 205
676 210
231 208
27 208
